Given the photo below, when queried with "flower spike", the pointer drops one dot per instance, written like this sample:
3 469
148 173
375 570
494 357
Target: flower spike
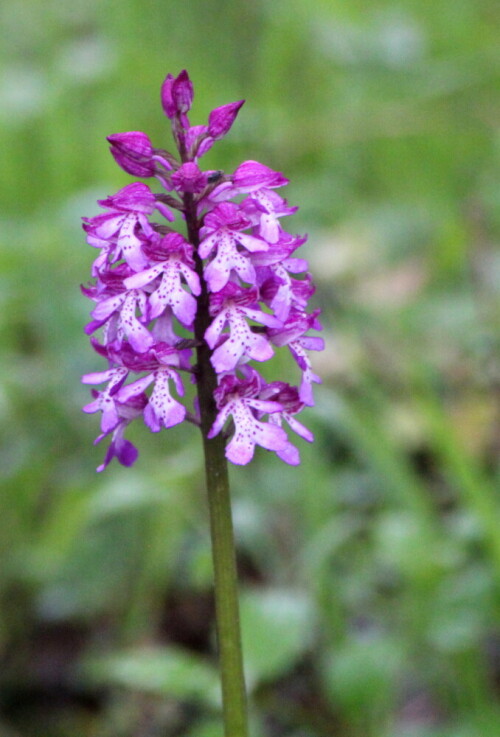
230 280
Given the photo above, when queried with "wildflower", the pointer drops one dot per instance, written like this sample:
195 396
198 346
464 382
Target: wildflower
178 265
238 399
221 119
133 152
293 335
288 397
120 448
233 305
232 280
223 231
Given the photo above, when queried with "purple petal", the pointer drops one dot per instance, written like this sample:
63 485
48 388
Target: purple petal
167 100
134 389
251 243
269 436
299 428
132 143
260 349
106 308
252 175
163 409
214 330
217 275
220 421
144 277
312 343
289 455
184 307
227 355
122 450
139 337
221 119
98 377
207 245
265 406
240 450
182 92
192 279
133 152
263 317
92 407
188 178
126 453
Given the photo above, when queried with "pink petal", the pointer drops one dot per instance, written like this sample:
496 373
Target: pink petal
240 450
144 277
260 349
269 436
250 242
289 455
299 428
221 119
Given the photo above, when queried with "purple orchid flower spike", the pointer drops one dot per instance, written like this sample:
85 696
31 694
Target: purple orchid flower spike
226 288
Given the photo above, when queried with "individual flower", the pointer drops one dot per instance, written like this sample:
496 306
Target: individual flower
264 208
282 292
105 401
162 410
222 231
133 151
177 96
234 305
251 176
292 334
189 178
116 309
160 363
121 231
238 399
169 274
291 404
120 448
222 118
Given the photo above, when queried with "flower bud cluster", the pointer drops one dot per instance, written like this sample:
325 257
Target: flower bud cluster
236 262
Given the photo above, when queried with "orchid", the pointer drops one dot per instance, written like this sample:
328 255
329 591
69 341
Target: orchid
232 279
238 398
207 258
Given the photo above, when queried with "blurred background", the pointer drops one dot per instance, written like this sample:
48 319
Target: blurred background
370 574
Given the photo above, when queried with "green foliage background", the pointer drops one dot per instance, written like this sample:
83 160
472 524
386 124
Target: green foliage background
370 574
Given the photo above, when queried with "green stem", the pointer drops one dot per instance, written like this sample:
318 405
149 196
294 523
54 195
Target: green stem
221 524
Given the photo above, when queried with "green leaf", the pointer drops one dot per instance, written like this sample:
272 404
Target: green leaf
277 626
163 671
362 674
